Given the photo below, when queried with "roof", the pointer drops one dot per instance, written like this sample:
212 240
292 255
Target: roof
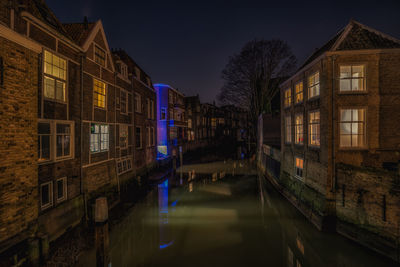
79 32
355 36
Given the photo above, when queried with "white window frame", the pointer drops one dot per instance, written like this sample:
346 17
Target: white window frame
124 165
351 78
65 192
121 104
50 204
351 122
313 85
138 103
312 124
141 137
55 78
100 140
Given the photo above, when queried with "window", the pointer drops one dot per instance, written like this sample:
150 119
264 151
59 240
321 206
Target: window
171 114
123 69
288 129
288 97
189 123
313 85
44 132
153 136
163 115
46 195
352 78
55 73
314 128
299 129
124 165
123 102
123 136
99 56
213 122
61 186
99 137
299 92
138 137
148 108
138 103
299 167
99 93
63 140
352 127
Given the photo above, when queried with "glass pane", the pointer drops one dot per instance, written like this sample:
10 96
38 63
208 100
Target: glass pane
345 128
45 194
358 71
354 140
345 72
345 115
60 90
49 87
357 84
44 128
59 145
60 189
45 146
47 57
67 141
63 128
345 85
345 140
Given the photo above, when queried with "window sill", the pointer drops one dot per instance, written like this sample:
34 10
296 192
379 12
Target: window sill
364 92
101 108
55 100
97 152
299 178
314 147
313 98
353 149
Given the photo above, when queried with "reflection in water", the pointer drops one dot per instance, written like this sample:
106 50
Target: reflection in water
236 221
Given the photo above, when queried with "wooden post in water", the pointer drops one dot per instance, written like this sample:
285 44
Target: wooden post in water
102 239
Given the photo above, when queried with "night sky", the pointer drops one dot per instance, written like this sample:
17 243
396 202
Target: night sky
186 44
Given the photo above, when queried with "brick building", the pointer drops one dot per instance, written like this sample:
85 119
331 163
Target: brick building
340 140
195 122
171 122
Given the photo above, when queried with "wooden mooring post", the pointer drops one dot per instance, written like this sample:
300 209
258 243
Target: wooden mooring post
101 232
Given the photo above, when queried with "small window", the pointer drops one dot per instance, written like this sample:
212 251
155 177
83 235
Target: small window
299 167
99 56
288 97
314 128
299 92
123 136
63 140
299 138
55 73
46 195
288 129
148 137
313 85
124 165
352 78
99 138
352 128
138 103
99 93
61 189
124 102
163 115
44 132
138 137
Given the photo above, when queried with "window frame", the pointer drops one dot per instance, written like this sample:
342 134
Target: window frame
301 178
299 93
310 124
63 134
98 93
51 200
296 130
309 85
351 65
141 137
99 138
122 91
120 165
55 78
138 106
40 142
65 192
290 128
165 114
365 145
121 126
288 103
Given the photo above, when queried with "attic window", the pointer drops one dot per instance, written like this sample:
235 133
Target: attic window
137 73
123 69
99 56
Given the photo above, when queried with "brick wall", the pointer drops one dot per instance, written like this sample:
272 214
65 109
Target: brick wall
18 131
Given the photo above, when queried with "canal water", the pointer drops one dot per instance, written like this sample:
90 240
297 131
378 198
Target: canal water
224 214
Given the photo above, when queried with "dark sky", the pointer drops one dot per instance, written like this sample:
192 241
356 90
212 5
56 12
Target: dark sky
186 44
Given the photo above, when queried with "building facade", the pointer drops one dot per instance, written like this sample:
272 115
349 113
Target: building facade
340 145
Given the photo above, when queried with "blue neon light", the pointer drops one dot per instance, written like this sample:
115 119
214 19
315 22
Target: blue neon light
166 245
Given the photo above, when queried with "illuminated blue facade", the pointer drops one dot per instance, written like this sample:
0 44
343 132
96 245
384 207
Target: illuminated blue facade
162 126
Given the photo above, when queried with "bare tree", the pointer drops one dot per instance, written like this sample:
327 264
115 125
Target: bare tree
252 77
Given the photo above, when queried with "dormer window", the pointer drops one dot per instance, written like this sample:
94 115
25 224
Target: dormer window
99 56
137 73
123 69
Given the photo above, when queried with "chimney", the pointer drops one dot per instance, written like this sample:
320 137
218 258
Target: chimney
86 23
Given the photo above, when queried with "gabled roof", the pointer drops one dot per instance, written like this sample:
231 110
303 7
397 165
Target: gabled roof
79 32
355 36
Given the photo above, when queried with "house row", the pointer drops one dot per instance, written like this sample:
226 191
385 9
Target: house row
338 159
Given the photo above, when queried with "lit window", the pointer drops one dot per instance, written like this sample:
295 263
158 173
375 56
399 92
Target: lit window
288 129
313 85
99 93
99 56
123 102
99 137
299 167
61 186
299 129
46 195
288 97
299 92
314 128
123 136
138 137
138 103
352 127
63 140
55 73
352 78
44 137
163 114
